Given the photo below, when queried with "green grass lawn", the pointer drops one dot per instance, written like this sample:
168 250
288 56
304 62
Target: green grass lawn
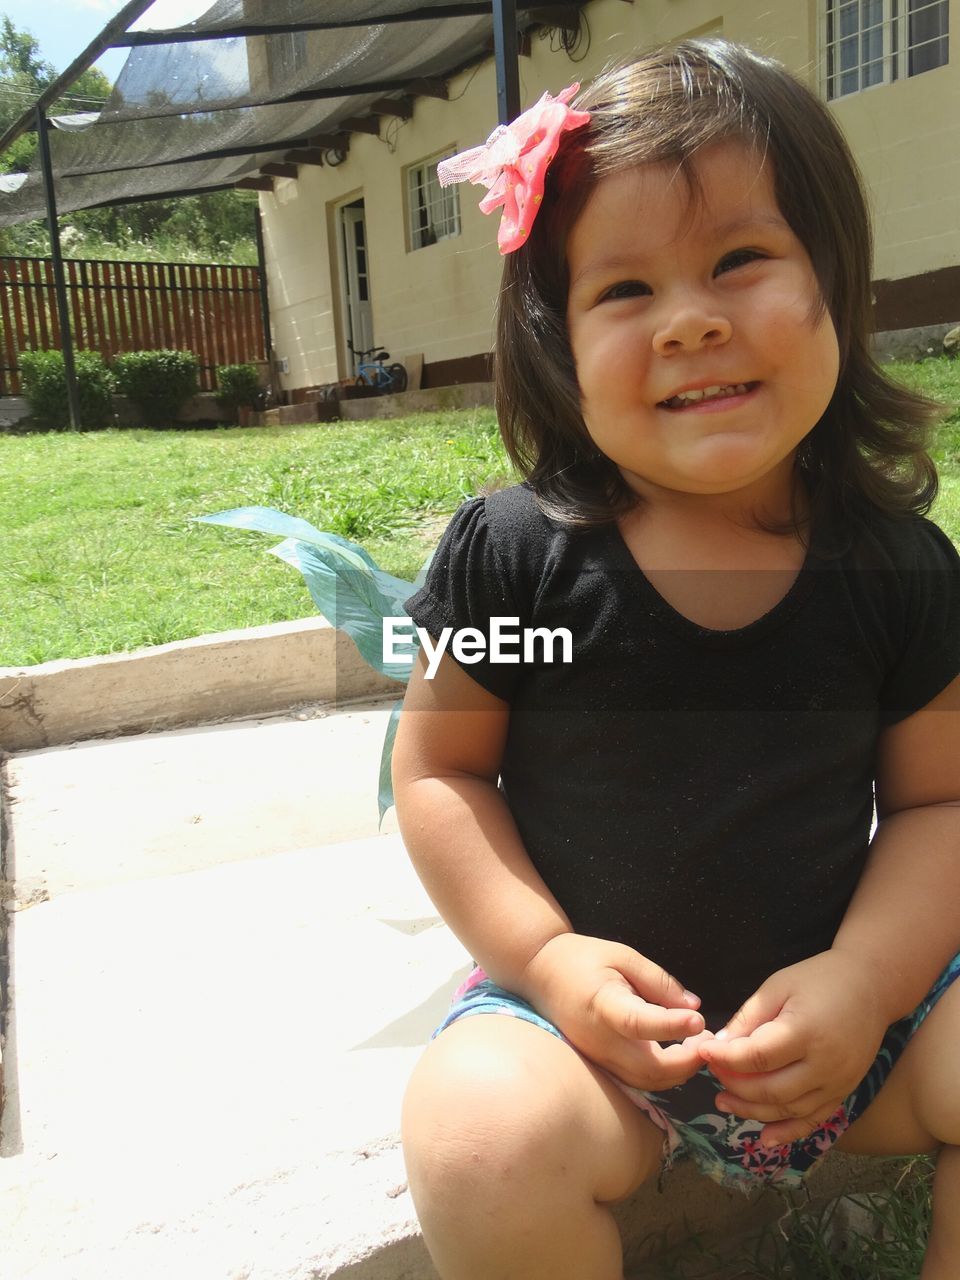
940 379
100 551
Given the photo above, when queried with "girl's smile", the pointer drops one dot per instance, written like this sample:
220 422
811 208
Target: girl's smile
708 399
702 356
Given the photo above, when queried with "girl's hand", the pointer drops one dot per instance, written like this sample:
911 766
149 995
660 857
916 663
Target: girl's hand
614 1006
800 1045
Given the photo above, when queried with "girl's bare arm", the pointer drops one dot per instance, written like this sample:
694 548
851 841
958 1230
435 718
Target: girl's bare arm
903 917
457 828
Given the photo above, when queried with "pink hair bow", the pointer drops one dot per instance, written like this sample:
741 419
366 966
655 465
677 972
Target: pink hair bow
512 164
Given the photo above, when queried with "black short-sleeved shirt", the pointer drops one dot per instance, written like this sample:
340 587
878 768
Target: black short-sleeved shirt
703 796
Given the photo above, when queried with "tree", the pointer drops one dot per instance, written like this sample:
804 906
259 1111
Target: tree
89 92
23 77
19 57
213 223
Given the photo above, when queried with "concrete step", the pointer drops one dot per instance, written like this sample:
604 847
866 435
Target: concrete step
207 1040
112 810
465 395
204 1071
361 404
222 676
311 410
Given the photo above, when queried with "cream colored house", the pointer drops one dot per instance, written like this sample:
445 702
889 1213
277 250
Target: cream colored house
372 249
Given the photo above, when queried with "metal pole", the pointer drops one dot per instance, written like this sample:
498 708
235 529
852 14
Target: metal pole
506 53
273 378
264 295
59 280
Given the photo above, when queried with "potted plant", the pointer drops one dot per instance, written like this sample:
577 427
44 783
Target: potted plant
239 392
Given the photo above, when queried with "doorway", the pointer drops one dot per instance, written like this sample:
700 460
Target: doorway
354 282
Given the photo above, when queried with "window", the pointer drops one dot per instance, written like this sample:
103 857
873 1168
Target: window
434 211
872 42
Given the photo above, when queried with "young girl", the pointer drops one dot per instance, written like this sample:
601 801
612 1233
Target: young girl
723 506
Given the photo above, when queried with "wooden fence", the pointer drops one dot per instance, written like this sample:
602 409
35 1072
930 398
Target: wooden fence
210 309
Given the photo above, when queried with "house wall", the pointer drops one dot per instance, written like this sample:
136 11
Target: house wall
906 138
438 301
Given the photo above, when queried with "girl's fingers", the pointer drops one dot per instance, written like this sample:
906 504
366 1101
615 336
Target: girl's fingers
808 1104
670 1072
649 1065
654 983
678 1060
780 1132
695 1041
774 1087
634 1019
770 1047
763 1006
653 1067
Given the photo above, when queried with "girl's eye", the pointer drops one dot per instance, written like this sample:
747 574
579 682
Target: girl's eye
626 289
739 258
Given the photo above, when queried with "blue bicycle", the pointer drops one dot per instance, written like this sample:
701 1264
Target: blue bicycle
373 370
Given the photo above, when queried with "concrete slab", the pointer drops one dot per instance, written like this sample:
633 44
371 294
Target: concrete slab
208 1040
208 1068
118 809
13 409
224 675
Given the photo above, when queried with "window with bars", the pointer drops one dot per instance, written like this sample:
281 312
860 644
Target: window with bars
870 42
434 211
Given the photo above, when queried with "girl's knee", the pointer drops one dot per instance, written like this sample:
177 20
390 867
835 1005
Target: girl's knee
935 1082
473 1100
502 1157
496 1101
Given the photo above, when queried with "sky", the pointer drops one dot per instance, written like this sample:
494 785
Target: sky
64 28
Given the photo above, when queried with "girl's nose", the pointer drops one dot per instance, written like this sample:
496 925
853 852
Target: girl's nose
688 326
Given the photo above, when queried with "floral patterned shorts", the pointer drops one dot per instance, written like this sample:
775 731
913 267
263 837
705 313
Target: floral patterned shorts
726 1148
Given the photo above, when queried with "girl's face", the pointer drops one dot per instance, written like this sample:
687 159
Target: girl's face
671 295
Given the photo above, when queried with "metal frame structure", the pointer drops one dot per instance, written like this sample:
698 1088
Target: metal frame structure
301 150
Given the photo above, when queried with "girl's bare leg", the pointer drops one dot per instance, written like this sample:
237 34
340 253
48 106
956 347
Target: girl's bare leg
918 1111
515 1147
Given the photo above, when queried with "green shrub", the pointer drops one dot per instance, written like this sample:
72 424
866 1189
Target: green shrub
238 384
158 382
45 386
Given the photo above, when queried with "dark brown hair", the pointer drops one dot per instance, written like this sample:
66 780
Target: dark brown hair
870 445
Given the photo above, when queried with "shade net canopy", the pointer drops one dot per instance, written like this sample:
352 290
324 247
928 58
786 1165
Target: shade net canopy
179 106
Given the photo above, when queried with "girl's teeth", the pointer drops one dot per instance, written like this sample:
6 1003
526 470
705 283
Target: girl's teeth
707 393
